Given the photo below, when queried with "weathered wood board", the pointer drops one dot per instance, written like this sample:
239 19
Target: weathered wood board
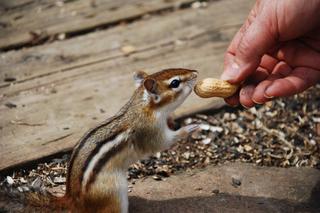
37 20
64 88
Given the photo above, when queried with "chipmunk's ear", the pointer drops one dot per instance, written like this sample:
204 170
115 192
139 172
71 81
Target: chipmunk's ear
152 88
150 85
138 77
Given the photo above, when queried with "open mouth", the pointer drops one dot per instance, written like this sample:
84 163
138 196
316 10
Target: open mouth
172 124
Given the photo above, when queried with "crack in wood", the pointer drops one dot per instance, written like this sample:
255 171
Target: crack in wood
56 139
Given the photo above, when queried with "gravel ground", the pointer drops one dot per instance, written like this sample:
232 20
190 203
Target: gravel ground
282 133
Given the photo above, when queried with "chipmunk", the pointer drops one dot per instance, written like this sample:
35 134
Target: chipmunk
96 177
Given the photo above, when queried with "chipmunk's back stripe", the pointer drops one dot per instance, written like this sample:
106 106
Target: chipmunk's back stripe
81 144
97 156
103 159
95 151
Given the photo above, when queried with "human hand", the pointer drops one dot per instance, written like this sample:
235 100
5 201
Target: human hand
276 53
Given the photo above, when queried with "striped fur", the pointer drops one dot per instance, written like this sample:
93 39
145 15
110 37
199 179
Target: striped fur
96 179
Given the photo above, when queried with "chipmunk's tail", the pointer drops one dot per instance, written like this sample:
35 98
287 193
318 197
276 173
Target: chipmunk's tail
40 201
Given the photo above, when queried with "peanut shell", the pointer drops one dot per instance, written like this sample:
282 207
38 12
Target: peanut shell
211 87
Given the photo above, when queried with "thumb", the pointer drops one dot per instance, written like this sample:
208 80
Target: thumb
256 41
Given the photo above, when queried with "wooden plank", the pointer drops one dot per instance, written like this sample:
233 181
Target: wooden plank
49 18
60 56
57 105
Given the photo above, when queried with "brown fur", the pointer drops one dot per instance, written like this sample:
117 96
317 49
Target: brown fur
137 120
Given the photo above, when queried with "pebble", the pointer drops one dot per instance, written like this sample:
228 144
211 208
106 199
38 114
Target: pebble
158 155
316 119
59 180
236 182
216 129
20 189
128 49
25 188
186 155
188 121
157 177
206 141
10 181
247 147
37 183
10 105
215 191
205 127
22 180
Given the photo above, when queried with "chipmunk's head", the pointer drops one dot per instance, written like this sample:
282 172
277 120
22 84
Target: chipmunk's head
167 89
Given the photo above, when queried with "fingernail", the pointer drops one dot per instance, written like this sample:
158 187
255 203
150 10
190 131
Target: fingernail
231 72
267 92
257 102
246 107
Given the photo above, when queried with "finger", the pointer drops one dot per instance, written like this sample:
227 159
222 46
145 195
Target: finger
298 80
231 51
246 96
280 71
258 76
254 44
268 62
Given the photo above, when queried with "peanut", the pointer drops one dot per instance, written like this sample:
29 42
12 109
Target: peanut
211 87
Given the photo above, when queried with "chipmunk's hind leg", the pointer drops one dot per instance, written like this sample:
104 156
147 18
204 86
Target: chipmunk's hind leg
110 204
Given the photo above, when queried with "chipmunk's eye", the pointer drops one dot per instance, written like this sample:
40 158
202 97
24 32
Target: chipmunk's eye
175 83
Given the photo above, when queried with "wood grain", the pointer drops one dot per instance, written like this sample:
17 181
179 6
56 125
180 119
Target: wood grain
37 20
66 87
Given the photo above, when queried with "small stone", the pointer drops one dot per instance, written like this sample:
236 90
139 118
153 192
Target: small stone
316 120
22 180
206 141
205 127
158 155
188 121
59 3
312 142
157 177
178 42
247 147
240 149
59 180
128 49
10 105
236 182
196 5
62 36
216 129
25 188
186 155
36 183
20 189
198 188
10 181
215 191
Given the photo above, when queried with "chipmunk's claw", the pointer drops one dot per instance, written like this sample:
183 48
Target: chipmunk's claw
191 128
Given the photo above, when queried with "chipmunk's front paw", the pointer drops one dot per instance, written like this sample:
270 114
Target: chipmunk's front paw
185 131
191 128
